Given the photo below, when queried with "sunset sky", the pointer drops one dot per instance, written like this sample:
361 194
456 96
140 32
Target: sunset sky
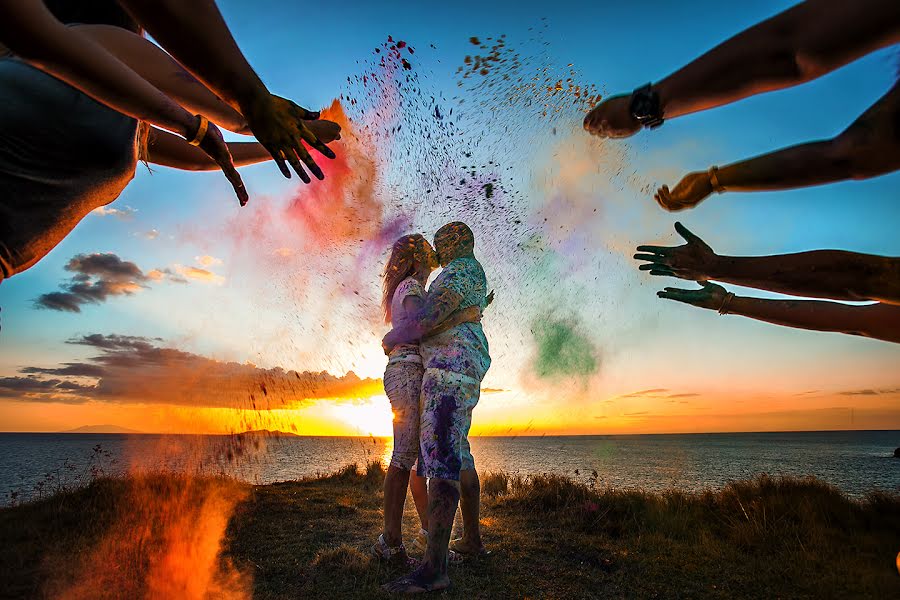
215 318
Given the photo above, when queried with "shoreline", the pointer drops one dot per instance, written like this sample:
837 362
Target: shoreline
551 537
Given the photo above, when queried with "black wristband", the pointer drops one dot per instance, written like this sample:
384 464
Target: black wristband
645 108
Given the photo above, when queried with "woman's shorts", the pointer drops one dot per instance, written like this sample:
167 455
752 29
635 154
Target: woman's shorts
403 385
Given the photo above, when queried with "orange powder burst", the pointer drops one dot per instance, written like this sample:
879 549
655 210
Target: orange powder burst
164 541
343 207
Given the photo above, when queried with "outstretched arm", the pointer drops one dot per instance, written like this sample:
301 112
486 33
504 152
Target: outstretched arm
869 147
172 151
800 44
196 35
31 32
157 67
878 321
835 274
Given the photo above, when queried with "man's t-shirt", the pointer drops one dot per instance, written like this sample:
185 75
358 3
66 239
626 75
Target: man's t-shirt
404 352
463 349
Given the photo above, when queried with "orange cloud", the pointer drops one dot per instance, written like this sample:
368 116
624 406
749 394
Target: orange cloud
131 370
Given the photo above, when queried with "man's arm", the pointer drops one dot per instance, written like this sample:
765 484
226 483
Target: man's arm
798 45
196 35
438 306
867 148
835 274
878 321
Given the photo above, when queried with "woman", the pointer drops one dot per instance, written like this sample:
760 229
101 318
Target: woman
411 262
63 153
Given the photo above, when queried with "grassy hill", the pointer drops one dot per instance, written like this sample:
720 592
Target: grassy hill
551 538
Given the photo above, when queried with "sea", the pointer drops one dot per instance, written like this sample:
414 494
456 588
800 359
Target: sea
857 462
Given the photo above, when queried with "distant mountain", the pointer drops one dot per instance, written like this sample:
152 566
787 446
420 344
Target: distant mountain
268 433
101 429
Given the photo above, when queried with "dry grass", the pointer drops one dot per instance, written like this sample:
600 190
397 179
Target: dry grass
551 538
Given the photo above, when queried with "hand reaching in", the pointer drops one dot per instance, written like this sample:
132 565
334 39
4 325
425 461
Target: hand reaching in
694 260
688 193
279 125
214 145
612 118
709 296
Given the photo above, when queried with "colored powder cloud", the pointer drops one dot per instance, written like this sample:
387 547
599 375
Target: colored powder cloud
563 351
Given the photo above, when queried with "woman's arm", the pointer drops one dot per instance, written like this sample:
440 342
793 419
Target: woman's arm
869 147
31 32
172 151
834 274
157 67
878 321
34 35
196 35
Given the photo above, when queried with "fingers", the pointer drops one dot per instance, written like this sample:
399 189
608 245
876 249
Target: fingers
660 250
301 152
278 157
236 182
651 258
294 161
310 138
686 233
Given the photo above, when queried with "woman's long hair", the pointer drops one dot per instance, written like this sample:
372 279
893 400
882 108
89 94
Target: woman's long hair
408 254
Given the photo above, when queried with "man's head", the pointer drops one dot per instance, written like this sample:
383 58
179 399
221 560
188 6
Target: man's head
453 240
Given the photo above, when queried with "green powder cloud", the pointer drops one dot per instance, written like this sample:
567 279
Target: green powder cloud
562 350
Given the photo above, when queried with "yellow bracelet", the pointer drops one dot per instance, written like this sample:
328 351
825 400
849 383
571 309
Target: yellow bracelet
201 131
714 180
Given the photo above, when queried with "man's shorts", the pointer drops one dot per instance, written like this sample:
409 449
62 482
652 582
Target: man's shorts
446 407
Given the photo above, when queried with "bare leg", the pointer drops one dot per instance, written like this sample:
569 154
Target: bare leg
419 488
394 498
470 505
443 498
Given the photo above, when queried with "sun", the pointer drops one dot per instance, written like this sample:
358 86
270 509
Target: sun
372 416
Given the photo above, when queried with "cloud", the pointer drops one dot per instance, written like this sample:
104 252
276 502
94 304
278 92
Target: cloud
659 393
137 370
96 278
208 261
34 389
283 252
869 392
150 235
645 393
198 274
126 213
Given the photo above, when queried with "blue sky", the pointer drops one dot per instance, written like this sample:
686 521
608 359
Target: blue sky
307 55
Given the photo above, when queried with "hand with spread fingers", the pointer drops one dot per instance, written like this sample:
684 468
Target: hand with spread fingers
693 189
215 147
278 125
709 295
612 119
694 260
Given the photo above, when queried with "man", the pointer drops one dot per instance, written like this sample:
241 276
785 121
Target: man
455 363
